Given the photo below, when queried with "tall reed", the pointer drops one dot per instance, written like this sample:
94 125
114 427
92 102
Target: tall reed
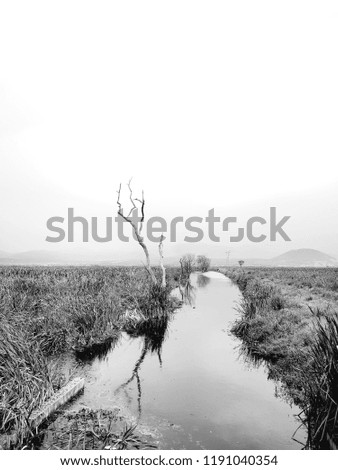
322 390
26 381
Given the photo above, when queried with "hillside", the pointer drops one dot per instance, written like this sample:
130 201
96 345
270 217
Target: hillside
304 257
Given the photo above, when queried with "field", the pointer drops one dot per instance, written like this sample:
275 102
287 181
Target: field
288 318
49 311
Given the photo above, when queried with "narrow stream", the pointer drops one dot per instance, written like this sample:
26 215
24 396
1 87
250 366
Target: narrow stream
191 389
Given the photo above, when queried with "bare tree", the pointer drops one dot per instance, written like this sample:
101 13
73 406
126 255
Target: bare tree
187 263
160 249
137 228
203 263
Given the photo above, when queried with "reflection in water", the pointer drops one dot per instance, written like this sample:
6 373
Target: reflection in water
135 375
188 290
153 332
189 385
188 294
202 281
252 359
248 356
98 351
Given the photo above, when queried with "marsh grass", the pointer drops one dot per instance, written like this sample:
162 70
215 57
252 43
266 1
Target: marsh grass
48 311
258 298
149 307
322 393
26 381
299 347
92 429
77 308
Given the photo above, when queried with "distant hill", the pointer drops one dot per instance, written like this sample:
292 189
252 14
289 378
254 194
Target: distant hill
304 257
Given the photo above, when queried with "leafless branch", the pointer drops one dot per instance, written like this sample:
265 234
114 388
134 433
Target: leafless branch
137 227
160 249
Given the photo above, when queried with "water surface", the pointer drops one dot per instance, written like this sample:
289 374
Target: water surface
194 390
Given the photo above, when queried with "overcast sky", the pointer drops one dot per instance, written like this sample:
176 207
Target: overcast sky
232 105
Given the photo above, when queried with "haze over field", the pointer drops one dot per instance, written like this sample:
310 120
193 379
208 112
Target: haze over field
200 118
300 258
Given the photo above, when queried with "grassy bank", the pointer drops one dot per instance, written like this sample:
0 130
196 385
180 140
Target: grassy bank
48 311
289 319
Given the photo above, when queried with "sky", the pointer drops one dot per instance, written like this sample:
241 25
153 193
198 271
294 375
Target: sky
225 105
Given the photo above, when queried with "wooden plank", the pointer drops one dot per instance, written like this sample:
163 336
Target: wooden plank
38 416
58 399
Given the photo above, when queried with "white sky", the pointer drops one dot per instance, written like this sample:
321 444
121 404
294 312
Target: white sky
206 104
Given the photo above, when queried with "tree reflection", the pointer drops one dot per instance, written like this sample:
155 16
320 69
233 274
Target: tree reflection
188 293
153 333
202 281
